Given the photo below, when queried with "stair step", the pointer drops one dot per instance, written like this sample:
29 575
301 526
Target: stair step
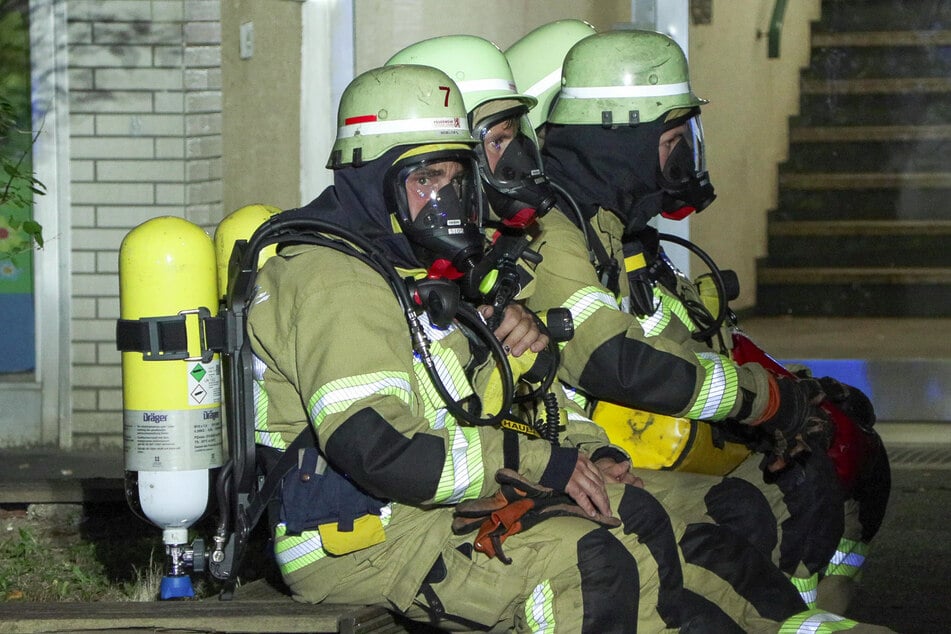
859 244
885 62
864 180
905 275
911 203
881 38
861 228
889 157
852 133
876 86
900 108
854 292
883 15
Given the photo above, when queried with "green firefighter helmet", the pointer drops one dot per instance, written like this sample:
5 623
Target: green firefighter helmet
397 105
536 61
623 78
476 65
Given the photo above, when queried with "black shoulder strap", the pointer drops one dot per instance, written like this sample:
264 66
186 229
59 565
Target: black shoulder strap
275 470
606 267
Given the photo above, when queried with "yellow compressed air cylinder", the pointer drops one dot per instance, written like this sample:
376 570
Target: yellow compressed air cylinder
240 225
172 416
655 441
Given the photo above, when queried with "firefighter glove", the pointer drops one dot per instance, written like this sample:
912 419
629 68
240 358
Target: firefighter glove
517 506
851 400
795 418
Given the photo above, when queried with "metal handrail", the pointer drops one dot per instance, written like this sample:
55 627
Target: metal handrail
776 27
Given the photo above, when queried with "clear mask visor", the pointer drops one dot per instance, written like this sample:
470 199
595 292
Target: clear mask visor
684 178
440 194
438 203
694 136
686 159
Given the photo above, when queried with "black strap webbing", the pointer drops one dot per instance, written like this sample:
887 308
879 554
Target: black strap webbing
166 338
510 453
275 474
607 267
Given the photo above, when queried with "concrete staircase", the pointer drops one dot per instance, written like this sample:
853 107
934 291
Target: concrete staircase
863 224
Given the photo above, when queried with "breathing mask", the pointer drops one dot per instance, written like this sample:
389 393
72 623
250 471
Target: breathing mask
684 177
516 186
433 190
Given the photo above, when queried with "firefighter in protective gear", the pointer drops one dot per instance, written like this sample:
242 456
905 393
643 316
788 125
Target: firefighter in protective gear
704 503
510 160
636 109
369 518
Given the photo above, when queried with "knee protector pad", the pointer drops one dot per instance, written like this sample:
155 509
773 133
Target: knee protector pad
642 515
610 584
741 507
816 520
873 490
751 574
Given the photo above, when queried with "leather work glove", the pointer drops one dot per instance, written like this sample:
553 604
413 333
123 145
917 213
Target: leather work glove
795 422
852 401
517 506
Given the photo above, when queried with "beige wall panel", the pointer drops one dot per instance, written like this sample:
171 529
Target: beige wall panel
746 124
261 127
385 26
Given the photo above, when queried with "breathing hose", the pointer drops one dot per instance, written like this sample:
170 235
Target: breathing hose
314 231
709 324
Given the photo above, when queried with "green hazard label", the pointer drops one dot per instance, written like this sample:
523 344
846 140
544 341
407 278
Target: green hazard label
204 384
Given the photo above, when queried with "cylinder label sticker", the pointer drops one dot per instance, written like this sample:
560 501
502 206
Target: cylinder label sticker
172 440
204 383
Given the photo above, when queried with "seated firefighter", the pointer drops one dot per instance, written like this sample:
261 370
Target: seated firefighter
335 353
624 145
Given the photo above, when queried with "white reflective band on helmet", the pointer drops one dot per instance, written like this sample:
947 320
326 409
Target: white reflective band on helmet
401 125
544 83
597 92
474 85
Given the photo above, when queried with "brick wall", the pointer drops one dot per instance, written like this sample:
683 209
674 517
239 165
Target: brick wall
145 141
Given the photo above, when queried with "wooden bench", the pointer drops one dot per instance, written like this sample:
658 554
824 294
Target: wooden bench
257 608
